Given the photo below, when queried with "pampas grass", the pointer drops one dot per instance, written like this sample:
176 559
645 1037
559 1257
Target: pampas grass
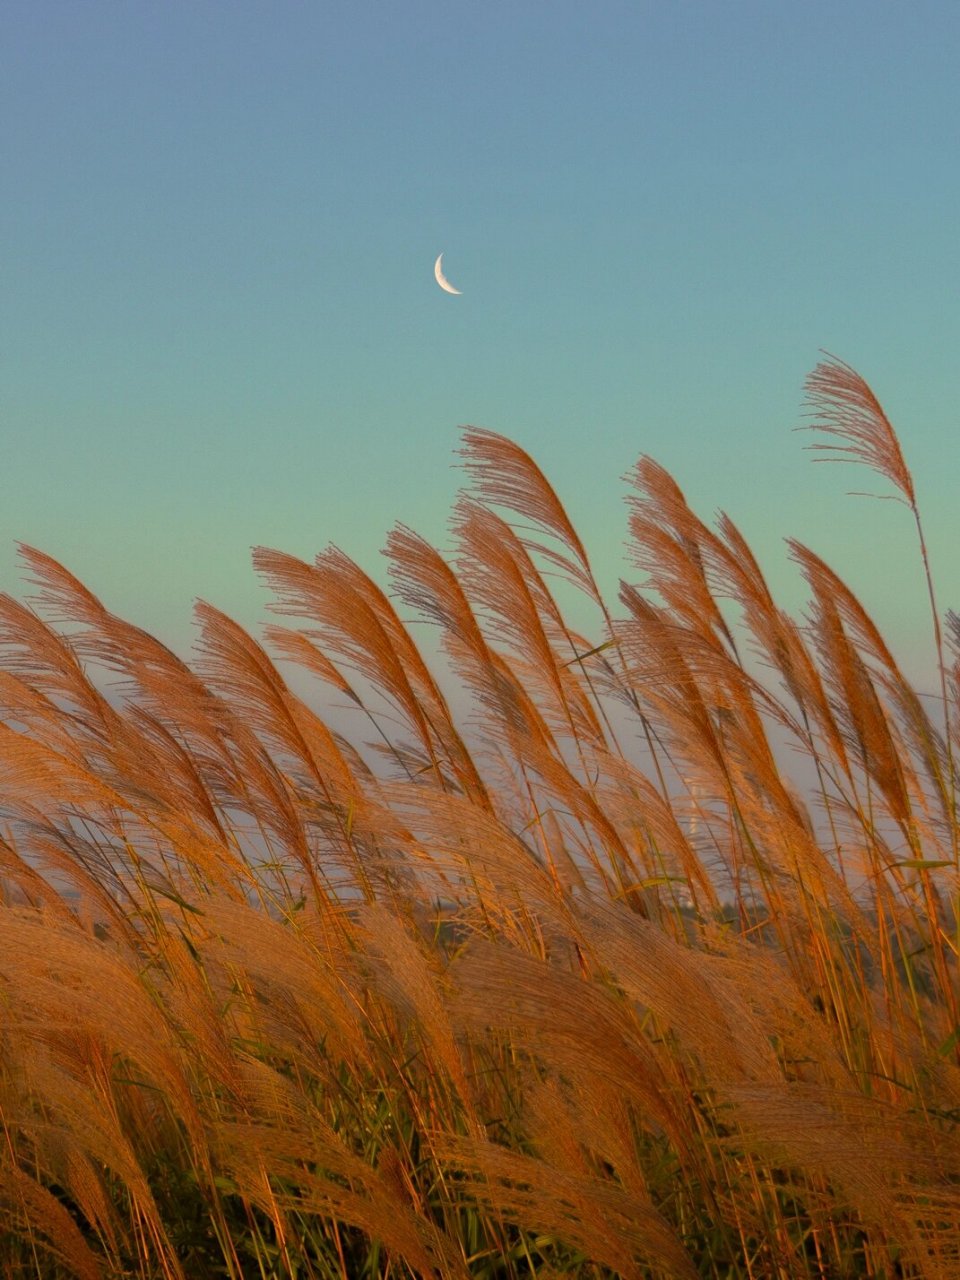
558 976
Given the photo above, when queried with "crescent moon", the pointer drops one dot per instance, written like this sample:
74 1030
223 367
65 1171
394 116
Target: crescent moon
442 280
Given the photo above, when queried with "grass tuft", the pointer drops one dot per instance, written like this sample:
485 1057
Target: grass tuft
558 975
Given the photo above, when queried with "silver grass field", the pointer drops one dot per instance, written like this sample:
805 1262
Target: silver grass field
564 973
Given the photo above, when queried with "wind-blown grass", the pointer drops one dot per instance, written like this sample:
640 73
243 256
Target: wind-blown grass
559 976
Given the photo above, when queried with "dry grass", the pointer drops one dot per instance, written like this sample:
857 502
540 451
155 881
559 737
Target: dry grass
562 977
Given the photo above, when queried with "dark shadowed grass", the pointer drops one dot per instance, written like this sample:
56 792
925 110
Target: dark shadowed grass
561 976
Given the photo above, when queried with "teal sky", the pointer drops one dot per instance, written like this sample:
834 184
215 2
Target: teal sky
220 325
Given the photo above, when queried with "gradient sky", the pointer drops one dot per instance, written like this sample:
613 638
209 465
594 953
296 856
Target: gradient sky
220 325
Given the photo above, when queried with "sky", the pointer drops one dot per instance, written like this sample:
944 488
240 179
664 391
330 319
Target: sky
219 326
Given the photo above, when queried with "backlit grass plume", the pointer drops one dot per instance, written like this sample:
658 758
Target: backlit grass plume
526 960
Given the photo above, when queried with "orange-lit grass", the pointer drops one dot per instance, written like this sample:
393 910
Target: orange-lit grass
556 976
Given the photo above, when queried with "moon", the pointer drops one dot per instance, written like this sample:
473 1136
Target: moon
442 280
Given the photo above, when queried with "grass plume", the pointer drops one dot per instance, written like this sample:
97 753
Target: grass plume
559 976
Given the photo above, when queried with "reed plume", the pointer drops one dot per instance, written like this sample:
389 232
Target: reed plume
543 961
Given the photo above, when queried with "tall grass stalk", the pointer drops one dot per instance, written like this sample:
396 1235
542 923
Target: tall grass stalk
557 975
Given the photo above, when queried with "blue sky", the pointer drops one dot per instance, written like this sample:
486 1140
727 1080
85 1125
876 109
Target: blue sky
219 325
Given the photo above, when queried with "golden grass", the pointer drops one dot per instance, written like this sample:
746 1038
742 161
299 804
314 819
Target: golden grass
558 977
